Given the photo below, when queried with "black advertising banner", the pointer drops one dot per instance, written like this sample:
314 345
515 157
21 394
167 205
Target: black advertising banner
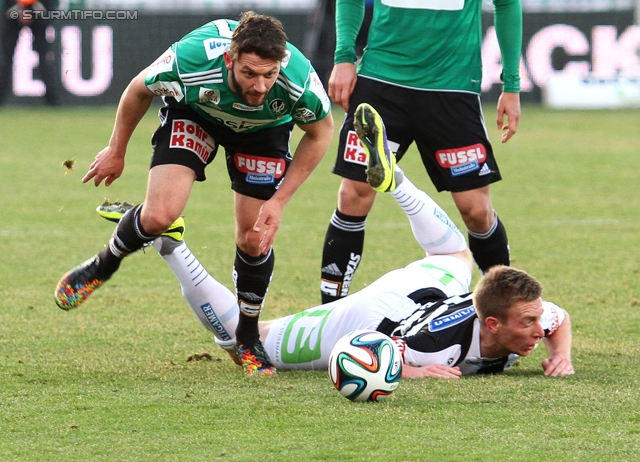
95 55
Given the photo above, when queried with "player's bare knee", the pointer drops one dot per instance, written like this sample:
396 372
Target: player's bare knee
156 222
478 218
355 198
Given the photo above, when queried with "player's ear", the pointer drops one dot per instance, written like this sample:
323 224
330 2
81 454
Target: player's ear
492 324
228 62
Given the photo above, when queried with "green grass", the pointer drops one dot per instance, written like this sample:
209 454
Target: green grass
111 380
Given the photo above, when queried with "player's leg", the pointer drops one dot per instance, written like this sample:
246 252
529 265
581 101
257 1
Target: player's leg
344 240
174 168
431 226
458 156
214 304
167 192
252 271
487 235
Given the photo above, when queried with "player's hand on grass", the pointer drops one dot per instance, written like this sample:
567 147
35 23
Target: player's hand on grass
434 370
108 166
509 107
557 366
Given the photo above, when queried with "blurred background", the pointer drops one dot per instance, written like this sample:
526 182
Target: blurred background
576 53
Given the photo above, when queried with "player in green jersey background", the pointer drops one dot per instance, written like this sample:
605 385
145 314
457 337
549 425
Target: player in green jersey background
422 70
239 85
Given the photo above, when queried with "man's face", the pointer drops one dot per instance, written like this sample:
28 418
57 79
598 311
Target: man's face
252 77
522 330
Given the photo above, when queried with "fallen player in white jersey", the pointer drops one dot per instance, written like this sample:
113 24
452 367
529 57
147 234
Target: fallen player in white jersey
442 330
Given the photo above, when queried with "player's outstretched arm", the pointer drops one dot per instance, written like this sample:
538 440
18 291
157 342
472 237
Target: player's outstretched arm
558 346
310 151
134 103
433 370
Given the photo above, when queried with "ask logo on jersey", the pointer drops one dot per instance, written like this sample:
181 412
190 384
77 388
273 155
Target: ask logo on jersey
260 170
462 160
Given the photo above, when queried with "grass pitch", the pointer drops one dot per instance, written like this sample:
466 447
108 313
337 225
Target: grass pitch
111 380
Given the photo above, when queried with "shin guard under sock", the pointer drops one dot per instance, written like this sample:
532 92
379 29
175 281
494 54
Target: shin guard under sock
341 255
251 276
490 248
128 237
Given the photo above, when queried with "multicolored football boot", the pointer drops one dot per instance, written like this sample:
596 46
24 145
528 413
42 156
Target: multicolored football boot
255 360
78 284
381 161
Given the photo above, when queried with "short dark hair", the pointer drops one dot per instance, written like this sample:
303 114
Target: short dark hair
502 286
259 34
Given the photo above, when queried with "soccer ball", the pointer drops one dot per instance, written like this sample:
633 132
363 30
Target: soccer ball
365 365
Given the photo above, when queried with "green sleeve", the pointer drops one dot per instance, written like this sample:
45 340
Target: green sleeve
508 23
349 16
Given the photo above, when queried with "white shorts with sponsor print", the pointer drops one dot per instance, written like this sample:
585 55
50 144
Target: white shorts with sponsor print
304 340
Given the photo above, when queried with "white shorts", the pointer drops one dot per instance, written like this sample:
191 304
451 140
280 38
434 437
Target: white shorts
305 340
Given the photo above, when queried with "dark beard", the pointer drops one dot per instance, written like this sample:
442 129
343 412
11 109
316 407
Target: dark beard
242 94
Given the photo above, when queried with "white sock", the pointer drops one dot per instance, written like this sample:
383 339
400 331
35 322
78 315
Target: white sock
431 226
215 306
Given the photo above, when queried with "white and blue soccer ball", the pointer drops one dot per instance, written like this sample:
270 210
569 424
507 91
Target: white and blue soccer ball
365 365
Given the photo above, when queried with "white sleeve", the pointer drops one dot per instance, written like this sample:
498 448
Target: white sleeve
552 317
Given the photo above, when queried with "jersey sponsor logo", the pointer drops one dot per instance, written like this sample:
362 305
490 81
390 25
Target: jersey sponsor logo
278 107
244 107
304 115
452 319
462 160
237 124
207 95
447 5
285 61
302 336
163 64
172 89
186 134
260 170
215 47
354 261
211 316
353 150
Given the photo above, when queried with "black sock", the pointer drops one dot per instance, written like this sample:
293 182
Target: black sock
341 255
128 237
490 248
251 276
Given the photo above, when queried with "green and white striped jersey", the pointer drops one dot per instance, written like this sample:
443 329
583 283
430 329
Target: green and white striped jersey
192 71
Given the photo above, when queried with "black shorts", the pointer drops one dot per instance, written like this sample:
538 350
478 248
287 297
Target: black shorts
256 161
448 128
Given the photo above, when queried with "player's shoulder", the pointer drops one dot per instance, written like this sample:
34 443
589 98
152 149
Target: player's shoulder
295 67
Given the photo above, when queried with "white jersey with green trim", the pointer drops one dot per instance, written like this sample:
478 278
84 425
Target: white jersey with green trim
192 71
305 340
425 307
